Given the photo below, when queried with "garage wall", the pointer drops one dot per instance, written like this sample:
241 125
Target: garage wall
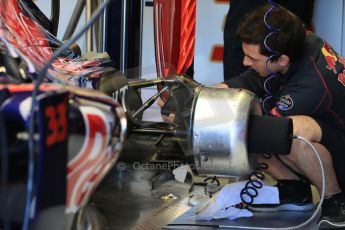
148 49
329 22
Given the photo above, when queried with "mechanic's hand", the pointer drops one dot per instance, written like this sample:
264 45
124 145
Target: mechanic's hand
166 118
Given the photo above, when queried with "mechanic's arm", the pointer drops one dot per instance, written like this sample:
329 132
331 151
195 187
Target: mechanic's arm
249 80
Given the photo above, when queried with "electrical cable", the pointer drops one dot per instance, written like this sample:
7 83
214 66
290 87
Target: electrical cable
212 180
38 82
250 190
308 221
34 12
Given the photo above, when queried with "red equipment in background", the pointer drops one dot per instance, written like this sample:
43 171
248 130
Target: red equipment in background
174 27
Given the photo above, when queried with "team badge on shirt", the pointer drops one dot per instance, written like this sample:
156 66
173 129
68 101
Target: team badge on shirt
285 103
331 57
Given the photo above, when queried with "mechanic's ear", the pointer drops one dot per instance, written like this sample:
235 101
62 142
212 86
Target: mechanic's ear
284 60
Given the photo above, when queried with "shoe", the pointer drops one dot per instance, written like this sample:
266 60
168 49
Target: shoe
294 195
333 212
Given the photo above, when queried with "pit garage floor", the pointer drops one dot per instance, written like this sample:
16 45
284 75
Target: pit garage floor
135 195
146 199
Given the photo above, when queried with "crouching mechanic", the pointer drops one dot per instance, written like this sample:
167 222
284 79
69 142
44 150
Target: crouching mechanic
310 89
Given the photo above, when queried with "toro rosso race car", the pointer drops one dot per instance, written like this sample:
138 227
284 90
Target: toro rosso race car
78 132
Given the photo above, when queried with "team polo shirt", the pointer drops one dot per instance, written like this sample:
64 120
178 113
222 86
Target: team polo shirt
313 86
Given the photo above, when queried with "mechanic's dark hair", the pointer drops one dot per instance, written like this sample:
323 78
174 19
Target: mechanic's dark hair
290 40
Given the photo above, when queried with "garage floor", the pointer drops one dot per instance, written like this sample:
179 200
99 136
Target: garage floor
138 195
126 200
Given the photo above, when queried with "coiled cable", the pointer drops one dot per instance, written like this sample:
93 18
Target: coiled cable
250 190
212 180
274 54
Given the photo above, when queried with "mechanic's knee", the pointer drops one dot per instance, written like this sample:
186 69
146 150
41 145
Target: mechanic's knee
297 149
306 127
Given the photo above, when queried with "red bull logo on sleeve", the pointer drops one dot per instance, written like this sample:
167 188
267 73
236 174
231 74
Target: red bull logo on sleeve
331 58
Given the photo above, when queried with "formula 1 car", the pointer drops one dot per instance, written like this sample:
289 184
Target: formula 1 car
78 133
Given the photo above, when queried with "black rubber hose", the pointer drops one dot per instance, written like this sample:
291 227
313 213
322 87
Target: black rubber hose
269 135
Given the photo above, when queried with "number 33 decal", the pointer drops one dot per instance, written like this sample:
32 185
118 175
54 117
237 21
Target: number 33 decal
57 123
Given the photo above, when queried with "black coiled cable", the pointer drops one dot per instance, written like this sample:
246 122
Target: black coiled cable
212 180
250 190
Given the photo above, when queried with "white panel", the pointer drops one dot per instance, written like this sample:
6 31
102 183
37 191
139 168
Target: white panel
148 49
210 17
328 20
